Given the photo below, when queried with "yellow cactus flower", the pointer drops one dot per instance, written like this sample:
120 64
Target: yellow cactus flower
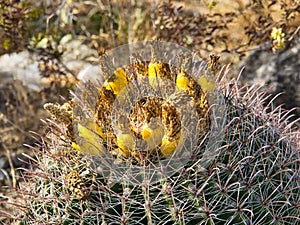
126 144
75 146
121 81
153 133
92 136
153 119
182 82
168 147
157 70
207 84
154 69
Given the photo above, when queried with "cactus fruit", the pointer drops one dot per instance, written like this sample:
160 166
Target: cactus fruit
252 179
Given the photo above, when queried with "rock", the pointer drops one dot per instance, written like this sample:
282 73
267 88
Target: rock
21 66
24 65
278 72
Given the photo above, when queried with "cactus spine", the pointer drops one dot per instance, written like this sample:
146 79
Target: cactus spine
254 178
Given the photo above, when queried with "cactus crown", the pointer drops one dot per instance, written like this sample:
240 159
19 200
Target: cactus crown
248 175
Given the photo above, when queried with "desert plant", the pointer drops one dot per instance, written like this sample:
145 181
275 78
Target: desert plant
253 178
14 19
244 172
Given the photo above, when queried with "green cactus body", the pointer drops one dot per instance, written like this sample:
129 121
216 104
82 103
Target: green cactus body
254 178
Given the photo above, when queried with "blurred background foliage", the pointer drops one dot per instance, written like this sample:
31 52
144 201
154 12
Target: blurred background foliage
233 28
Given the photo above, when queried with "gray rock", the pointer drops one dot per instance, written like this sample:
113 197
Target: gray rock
24 65
278 72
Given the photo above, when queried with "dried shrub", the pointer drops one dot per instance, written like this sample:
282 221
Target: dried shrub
235 30
15 24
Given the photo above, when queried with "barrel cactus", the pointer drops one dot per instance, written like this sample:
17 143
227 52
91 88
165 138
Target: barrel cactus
242 167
